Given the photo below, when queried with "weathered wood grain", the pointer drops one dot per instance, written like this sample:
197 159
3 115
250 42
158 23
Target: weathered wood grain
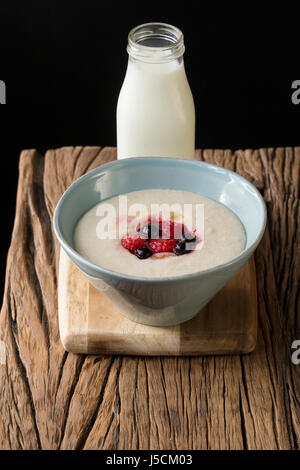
52 399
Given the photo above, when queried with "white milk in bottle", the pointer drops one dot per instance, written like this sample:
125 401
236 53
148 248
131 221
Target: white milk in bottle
155 112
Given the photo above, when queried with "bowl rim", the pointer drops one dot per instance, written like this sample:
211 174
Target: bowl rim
154 280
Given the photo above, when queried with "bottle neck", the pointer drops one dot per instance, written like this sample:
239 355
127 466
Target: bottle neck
154 69
155 43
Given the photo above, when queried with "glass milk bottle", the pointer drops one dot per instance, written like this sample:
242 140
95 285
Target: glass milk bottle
155 112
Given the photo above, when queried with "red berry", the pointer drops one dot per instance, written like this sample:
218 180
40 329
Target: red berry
132 242
171 229
161 246
167 228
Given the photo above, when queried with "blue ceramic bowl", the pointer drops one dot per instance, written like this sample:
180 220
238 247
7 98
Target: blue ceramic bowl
164 301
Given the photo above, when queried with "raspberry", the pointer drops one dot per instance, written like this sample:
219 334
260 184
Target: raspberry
171 229
166 228
161 246
132 242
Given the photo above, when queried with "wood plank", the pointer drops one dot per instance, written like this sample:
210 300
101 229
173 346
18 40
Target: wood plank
52 399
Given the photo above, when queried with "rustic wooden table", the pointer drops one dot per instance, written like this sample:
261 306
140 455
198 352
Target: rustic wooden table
50 399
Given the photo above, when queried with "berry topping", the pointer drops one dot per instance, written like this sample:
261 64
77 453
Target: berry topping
171 229
185 244
161 245
166 228
160 236
143 252
151 230
180 249
132 242
162 228
188 237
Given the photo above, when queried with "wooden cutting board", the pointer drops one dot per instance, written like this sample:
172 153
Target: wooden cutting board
89 322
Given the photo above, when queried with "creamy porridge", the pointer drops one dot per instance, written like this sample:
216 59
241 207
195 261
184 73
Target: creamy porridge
212 234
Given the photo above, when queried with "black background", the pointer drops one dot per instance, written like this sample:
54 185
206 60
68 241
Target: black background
64 63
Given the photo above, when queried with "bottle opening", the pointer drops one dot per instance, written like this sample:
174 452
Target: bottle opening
155 42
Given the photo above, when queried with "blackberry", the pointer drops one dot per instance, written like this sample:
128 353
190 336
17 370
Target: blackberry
151 231
181 246
180 249
188 237
143 252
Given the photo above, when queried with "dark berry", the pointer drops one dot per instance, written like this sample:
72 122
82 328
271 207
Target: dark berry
185 243
180 249
150 231
189 237
143 252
